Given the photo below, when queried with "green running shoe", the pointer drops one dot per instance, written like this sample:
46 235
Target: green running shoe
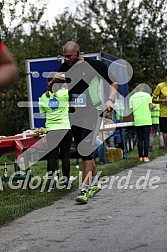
94 189
83 197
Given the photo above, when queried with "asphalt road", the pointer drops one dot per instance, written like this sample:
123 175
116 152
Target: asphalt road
132 219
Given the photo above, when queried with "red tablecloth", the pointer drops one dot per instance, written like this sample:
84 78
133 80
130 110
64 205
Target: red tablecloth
15 144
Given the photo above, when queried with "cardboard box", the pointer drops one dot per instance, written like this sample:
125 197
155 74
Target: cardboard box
113 155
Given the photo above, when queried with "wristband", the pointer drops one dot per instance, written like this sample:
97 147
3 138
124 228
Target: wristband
112 100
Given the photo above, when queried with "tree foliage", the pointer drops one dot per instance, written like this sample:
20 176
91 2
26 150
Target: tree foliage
134 32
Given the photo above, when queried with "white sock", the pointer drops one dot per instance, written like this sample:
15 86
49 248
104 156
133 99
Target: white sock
85 187
94 180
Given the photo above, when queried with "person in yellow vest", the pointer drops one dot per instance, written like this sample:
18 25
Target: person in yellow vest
54 105
155 131
141 105
160 97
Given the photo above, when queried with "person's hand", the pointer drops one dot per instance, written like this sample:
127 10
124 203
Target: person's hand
58 78
109 105
152 106
64 86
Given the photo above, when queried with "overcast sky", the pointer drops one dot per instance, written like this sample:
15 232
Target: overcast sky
54 7
57 6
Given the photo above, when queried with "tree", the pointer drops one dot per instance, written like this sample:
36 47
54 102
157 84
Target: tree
153 39
136 33
20 44
115 24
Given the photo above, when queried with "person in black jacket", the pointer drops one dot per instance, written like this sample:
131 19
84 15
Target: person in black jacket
84 116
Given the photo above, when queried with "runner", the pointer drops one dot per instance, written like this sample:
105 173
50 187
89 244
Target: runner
84 116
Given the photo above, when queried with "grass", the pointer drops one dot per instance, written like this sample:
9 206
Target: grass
16 203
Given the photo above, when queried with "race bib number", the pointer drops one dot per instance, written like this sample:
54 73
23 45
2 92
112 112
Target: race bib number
78 100
53 103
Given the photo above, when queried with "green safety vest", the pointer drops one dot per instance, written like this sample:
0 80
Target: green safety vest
95 93
155 114
119 107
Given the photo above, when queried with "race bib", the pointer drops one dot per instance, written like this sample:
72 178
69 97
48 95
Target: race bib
53 103
78 100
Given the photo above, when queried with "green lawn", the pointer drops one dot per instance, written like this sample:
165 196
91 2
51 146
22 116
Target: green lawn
15 203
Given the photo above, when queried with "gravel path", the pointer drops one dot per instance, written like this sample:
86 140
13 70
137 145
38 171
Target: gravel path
116 219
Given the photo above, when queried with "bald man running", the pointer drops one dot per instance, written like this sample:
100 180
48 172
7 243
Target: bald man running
83 114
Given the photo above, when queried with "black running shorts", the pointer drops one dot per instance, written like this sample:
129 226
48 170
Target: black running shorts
163 124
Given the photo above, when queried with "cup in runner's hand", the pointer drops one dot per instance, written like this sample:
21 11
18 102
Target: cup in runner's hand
59 77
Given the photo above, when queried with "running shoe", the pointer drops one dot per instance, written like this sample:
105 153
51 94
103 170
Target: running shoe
94 189
83 197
